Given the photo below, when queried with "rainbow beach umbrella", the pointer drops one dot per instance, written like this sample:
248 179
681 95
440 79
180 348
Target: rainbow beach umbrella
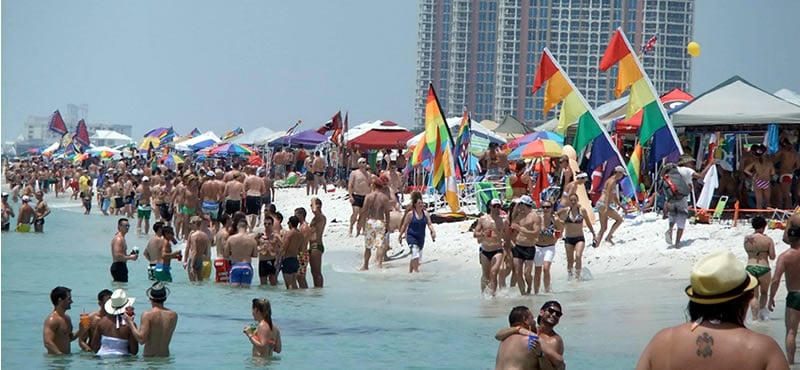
538 148
171 159
228 149
547 135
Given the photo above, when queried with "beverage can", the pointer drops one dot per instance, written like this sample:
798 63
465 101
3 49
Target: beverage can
489 233
135 250
253 328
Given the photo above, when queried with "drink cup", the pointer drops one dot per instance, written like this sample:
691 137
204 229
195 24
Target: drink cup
129 311
489 234
84 320
253 328
533 340
135 250
180 256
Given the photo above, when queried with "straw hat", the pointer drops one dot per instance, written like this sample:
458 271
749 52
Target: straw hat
118 302
719 277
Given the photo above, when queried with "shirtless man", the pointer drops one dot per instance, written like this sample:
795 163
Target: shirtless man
789 263
279 161
315 245
198 250
7 213
153 249
572 188
143 207
789 161
761 170
714 336
609 197
241 248
157 324
233 194
119 252
253 188
188 202
545 247
292 241
311 183
128 195
85 340
40 212
211 192
269 246
519 347
163 268
377 206
759 247
525 233
111 336
358 187
395 183
58 333
318 167
163 199
491 233
496 162
26 215
268 196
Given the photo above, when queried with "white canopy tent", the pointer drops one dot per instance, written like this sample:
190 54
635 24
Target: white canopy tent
788 95
109 138
186 145
52 148
478 132
736 102
253 137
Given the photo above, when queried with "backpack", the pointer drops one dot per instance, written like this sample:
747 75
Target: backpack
671 183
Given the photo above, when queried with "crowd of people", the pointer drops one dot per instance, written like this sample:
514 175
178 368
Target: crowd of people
230 206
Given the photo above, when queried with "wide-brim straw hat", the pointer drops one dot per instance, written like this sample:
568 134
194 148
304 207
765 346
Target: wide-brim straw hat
719 277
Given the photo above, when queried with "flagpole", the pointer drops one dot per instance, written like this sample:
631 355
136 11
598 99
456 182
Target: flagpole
653 89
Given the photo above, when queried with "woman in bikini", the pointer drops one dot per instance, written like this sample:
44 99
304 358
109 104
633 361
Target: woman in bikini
574 217
265 336
759 247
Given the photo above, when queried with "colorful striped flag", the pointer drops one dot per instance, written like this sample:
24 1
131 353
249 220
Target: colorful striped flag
650 44
194 133
655 122
233 133
635 168
439 143
461 150
559 88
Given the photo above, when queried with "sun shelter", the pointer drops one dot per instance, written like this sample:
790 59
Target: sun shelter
735 104
253 137
198 142
308 138
380 135
480 136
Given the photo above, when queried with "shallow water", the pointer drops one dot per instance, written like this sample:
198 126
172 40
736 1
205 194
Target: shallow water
382 319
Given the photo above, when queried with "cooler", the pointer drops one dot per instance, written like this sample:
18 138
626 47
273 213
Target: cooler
223 268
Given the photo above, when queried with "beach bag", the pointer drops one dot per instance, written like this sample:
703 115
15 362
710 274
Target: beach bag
672 184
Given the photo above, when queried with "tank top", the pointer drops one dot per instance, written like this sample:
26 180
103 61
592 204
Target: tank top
416 229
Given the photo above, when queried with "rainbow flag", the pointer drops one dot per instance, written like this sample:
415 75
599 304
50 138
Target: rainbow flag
439 144
635 168
560 89
233 133
630 74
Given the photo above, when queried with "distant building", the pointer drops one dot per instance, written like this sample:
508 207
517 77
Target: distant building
483 55
37 132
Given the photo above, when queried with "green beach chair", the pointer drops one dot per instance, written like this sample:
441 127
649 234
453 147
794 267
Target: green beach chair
721 203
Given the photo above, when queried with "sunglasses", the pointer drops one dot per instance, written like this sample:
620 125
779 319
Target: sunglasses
496 206
546 207
126 225
555 312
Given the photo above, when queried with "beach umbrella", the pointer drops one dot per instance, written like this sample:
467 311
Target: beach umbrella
79 157
228 149
148 141
536 149
171 159
547 135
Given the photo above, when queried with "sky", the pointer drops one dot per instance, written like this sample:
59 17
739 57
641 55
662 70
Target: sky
217 65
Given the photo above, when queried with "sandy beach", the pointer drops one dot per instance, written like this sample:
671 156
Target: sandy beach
639 243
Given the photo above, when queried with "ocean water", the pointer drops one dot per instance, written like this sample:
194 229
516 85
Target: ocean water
375 320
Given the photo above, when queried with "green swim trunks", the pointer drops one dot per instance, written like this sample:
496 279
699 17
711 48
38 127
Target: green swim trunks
185 210
317 246
793 300
143 211
162 273
757 270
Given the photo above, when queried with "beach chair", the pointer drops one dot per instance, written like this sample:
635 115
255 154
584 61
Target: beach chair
484 192
721 203
782 215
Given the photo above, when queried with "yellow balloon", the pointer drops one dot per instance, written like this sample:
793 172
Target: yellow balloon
693 48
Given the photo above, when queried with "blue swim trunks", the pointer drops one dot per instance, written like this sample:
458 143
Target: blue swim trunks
162 273
241 273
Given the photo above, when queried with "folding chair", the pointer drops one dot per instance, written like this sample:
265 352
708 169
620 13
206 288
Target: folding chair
721 203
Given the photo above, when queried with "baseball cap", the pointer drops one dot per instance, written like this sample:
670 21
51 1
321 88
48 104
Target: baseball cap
619 169
495 201
145 179
5 194
26 198
210 173
581 175
526 200
362 160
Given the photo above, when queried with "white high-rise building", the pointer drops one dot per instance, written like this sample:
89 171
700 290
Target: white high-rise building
483 55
